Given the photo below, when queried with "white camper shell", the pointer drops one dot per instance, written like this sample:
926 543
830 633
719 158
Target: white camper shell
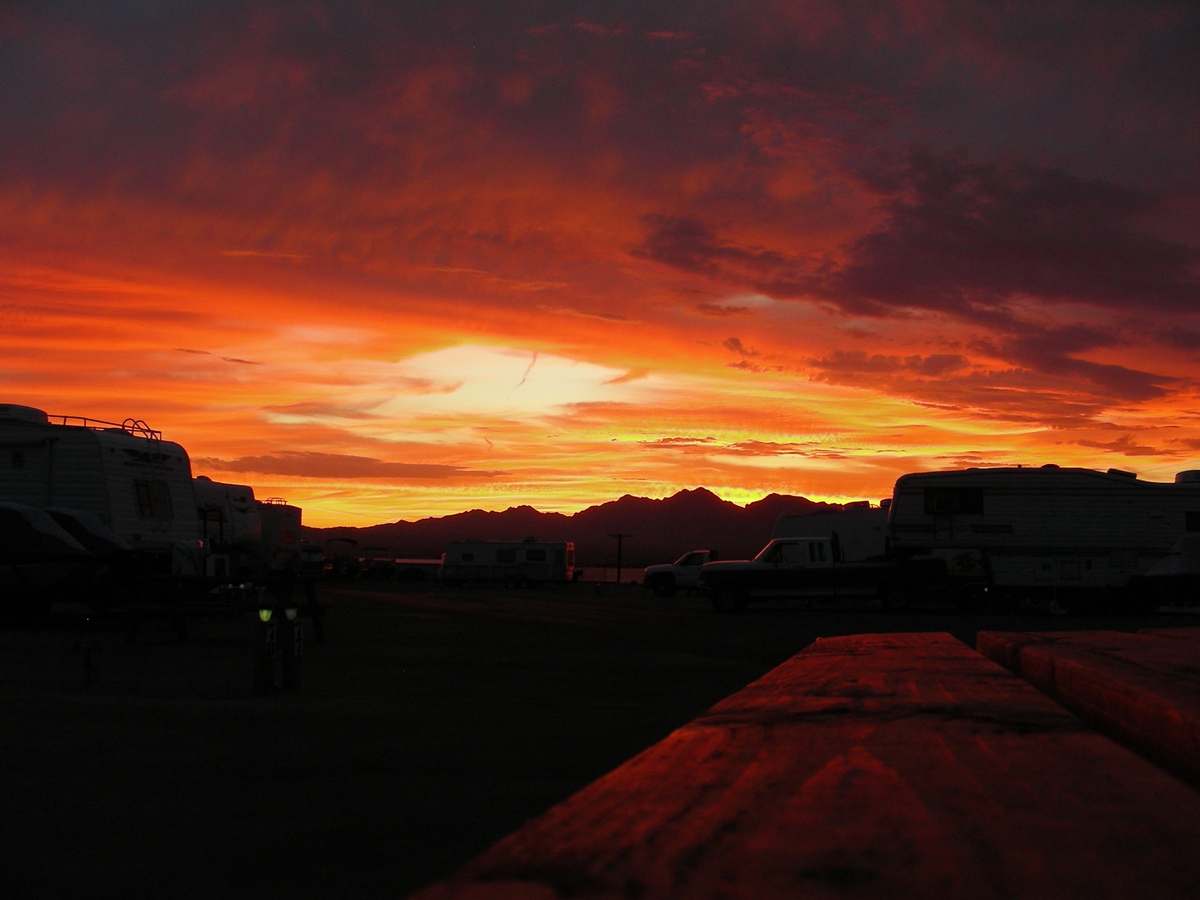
126 475
524 562
858 530
1062 533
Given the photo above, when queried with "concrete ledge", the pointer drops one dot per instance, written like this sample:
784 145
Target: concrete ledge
894 766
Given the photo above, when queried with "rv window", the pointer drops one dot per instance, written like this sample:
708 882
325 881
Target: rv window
506 557
943 501
212 524
153 499
535 556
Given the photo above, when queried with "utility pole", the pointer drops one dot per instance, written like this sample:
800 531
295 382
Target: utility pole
620 537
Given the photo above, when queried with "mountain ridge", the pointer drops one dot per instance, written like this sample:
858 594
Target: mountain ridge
651 530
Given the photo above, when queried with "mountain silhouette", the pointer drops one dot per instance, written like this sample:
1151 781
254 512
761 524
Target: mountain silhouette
653 531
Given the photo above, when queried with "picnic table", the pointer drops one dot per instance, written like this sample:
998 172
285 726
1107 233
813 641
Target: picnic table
896 765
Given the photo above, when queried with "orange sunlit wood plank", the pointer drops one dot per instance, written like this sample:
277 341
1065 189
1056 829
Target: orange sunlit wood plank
1143 689
901 765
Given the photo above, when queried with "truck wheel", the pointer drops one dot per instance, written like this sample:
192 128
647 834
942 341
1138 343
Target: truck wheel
896 596
664 587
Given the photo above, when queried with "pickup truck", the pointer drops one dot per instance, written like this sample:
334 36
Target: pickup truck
811 568
683 574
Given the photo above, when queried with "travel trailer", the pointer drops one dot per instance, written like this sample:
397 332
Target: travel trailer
1048 533
524 562
281 534
128 500
126 475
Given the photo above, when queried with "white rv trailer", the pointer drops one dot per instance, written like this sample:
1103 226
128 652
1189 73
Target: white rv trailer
246 536
509 562
126 475
1043 532
281 533
859 530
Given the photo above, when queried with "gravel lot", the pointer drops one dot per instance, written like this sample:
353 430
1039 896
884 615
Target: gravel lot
430 723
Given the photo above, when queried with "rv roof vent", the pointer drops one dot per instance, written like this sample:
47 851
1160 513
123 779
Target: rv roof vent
1122 473
23 414
1051 466
1191 476
885 503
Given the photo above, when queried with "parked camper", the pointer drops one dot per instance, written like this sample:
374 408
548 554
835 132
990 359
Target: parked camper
281 535
127 498
132 480
509 562
229 522
246 537
858 529
1048 534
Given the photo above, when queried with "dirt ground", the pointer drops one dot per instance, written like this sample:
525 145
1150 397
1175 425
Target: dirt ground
429 723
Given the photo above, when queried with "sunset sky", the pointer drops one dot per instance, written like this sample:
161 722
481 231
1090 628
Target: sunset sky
393 260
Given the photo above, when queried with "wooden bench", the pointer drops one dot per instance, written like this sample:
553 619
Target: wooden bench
898 766
1142 689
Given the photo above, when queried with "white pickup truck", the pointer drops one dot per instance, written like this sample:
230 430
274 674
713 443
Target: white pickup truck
683 574
812 568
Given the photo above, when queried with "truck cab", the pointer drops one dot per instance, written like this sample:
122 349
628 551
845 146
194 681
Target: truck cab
683 574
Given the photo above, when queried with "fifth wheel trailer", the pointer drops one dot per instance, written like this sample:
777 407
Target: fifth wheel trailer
126 475
1044 533
127 496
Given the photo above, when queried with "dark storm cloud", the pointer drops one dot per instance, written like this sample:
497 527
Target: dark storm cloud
1055 351
844 363
692 245
959 233
965 239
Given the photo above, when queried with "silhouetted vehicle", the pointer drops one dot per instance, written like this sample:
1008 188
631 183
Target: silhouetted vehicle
341 558
1048 534
810 568
682 575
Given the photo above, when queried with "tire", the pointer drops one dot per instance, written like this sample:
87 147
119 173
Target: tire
726 600
896 596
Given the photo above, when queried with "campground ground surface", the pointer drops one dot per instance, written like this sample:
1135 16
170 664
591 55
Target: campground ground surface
430 723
